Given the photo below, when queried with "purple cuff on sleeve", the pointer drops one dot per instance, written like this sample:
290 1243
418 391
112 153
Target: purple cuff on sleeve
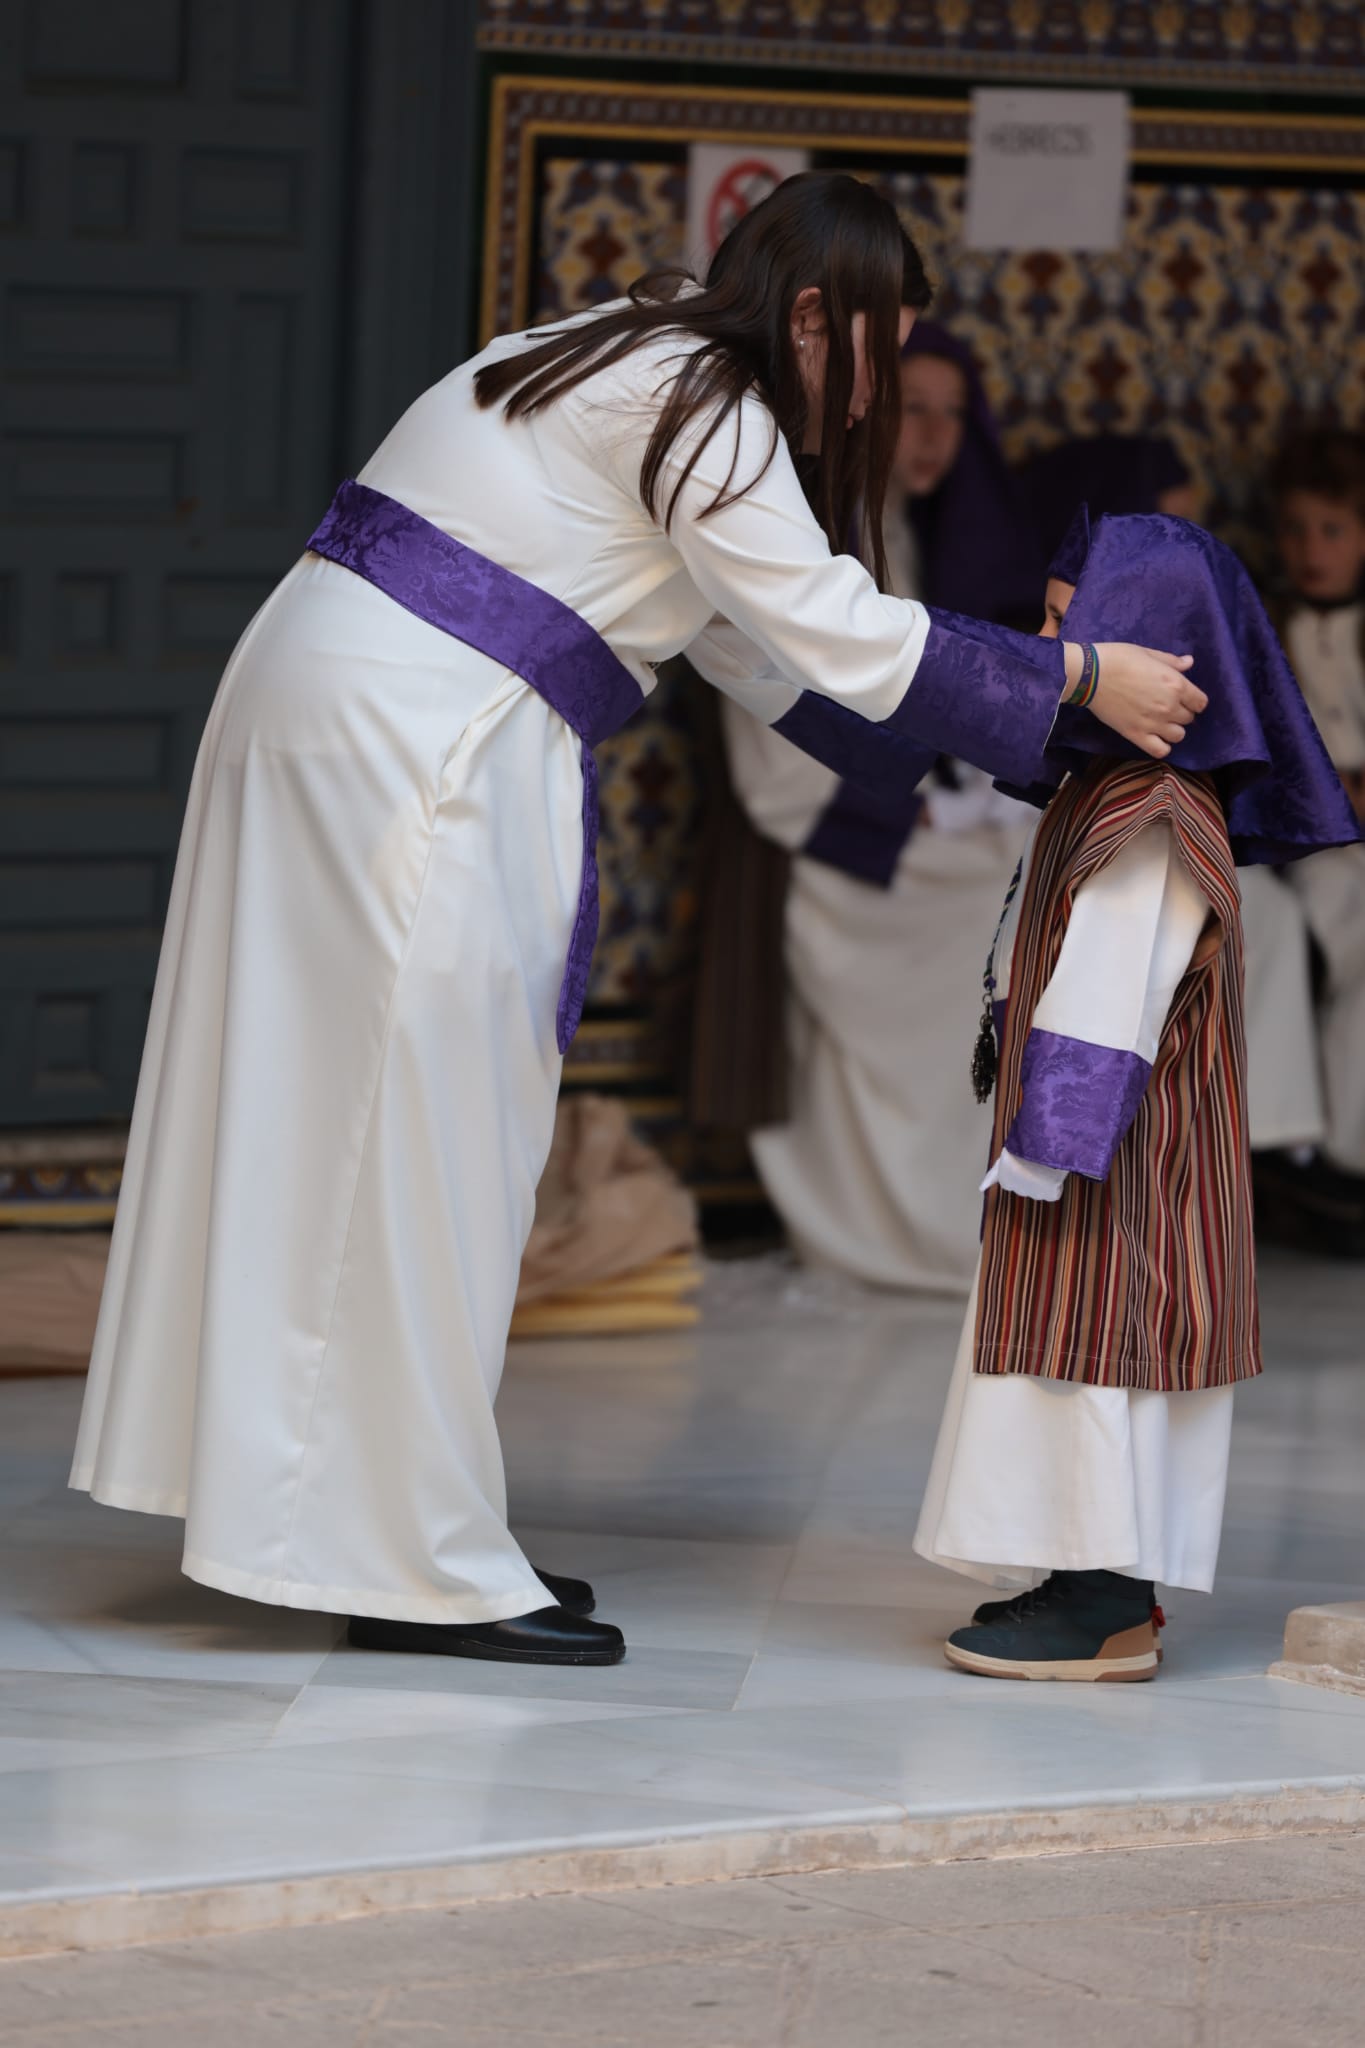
1079 1100
885 762
984 693
862 834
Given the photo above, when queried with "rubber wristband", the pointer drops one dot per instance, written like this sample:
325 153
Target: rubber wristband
1089 682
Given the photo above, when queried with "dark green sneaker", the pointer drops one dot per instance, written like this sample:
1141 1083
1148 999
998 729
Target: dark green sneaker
1078 1626
994 1610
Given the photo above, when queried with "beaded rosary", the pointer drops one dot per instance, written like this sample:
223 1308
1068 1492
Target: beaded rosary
984 1056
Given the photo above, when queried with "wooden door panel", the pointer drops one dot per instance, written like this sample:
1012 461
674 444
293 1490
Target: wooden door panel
169 342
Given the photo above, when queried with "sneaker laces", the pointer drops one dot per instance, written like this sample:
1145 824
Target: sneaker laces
1055 1592
1034 1601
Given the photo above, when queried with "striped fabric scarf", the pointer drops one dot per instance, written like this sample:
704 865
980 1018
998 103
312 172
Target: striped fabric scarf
1147 1279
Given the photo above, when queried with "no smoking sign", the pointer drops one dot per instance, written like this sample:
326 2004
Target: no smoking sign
723 184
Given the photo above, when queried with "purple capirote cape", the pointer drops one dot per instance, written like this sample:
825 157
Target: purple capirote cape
1166 583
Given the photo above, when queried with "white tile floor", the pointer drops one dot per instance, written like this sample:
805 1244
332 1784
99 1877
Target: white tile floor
744 1501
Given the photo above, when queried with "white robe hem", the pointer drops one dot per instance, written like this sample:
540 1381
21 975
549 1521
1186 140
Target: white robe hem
455 1611
1021 1577
135 1498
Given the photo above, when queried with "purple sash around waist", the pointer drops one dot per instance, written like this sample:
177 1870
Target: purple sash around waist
564 659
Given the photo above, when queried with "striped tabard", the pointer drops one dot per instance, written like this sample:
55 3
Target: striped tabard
1145 1279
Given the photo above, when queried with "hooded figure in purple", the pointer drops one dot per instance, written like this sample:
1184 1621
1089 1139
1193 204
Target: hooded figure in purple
1083 1453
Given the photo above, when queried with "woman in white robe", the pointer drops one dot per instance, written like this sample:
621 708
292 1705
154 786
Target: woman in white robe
350 1071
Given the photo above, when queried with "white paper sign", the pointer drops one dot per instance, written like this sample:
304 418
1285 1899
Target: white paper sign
1048 170
724 182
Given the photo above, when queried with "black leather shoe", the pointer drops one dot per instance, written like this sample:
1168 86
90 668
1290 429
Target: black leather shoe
575 1596
549 1636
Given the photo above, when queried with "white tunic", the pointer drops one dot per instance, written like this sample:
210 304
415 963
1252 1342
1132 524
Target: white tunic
875 1169
1284 1082
1032 1475
350 1070
1325 650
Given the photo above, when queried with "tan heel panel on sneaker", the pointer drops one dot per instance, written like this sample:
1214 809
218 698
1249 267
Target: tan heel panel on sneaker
1134 1653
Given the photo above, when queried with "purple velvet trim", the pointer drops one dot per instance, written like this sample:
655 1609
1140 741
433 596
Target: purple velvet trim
864 835
979 691
985 694
886 764
1079 1100
999 1011
512 621
515 623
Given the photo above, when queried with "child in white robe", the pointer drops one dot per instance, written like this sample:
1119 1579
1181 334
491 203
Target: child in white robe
1080 1460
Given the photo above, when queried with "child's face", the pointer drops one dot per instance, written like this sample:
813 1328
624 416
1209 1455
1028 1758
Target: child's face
1322 546
1055 602
933 422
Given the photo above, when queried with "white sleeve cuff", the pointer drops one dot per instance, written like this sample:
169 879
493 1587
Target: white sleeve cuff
1023 1177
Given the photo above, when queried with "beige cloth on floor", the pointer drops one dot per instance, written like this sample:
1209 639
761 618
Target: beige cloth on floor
50 1284
607 1204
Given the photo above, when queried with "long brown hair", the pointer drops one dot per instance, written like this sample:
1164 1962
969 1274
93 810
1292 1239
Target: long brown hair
821 228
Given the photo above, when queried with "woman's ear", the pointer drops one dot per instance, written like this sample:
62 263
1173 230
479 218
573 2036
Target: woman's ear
808 315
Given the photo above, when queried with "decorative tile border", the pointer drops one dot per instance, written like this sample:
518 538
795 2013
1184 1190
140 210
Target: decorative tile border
66 1197
1256 44
527 111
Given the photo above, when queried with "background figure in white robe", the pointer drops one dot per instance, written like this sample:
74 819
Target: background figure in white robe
1319 491
883 972
1310 1190
883 995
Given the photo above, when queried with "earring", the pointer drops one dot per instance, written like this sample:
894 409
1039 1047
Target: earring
801 341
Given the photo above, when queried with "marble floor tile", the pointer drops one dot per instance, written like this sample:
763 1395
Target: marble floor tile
650 1677
673 1593
132 1614
326 1714
191 1821
157 1717
743 1498
623 1761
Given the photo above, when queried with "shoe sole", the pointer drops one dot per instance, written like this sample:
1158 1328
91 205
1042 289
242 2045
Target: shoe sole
1080 1671
483 1653
1160 1653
